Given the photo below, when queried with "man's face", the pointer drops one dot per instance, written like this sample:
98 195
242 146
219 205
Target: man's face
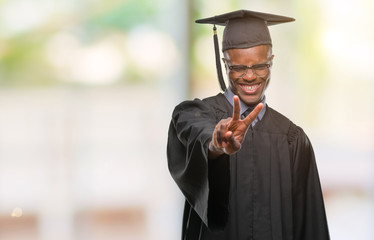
248 87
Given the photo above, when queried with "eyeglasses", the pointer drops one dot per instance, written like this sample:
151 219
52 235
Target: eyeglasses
260 70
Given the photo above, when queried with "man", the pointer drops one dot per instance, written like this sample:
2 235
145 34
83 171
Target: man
246 171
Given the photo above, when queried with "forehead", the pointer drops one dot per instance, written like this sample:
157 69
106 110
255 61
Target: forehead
255 54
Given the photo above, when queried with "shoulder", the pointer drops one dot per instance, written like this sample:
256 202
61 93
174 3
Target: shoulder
274 122
211 106
215 100
282 124
296 135
199 102
278 117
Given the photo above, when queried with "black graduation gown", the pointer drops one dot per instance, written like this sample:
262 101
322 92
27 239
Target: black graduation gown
268 190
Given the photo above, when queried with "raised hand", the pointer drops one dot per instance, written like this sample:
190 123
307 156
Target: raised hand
229 133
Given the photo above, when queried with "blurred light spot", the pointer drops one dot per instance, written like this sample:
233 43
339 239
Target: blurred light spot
17 212
347 40
99 63
22 15
152 51
351 53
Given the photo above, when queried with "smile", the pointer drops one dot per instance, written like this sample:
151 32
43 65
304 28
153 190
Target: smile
250 89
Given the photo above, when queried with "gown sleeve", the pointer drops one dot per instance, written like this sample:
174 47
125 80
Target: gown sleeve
204 183
309 217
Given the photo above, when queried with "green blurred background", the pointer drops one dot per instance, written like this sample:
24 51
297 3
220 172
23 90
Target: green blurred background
87 89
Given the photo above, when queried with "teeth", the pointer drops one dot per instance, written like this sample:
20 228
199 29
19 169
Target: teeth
250 88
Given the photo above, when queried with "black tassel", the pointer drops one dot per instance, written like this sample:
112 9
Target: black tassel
218 60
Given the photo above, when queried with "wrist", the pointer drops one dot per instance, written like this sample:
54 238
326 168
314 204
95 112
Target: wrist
214 151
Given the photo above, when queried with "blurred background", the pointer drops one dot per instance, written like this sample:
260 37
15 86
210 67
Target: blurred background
87 89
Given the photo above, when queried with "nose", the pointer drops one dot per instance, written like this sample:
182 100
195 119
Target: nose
249 75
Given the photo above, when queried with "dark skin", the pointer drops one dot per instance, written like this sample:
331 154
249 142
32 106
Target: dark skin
229 133
239 85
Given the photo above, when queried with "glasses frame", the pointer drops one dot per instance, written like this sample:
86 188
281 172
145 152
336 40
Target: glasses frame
267 65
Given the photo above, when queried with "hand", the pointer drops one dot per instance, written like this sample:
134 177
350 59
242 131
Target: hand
229 133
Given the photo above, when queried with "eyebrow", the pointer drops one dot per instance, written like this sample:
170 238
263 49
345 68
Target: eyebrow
267 62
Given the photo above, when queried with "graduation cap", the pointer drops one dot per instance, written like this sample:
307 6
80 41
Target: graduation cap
243 29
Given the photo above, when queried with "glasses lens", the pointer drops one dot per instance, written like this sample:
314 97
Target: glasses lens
261 69
239 68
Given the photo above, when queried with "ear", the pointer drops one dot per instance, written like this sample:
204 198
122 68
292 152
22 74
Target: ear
271 59
224 63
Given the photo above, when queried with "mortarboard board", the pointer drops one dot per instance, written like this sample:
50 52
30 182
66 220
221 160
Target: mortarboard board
243 29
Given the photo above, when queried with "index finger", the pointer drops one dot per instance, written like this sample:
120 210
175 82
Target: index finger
253 115
236 111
